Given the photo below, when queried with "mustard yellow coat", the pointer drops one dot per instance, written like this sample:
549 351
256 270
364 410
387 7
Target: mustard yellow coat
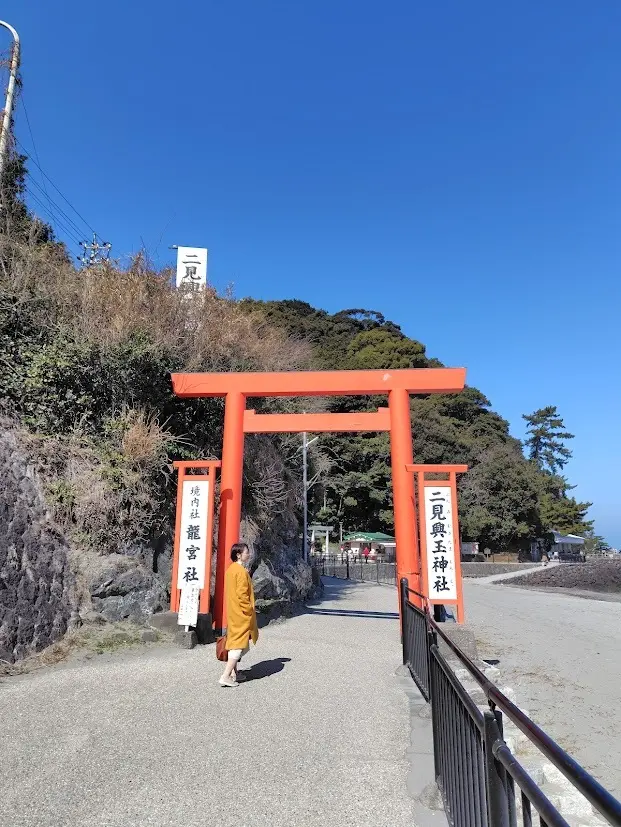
241 618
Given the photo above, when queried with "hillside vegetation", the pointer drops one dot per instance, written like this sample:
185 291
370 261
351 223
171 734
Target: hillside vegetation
85 363
506 499
86 358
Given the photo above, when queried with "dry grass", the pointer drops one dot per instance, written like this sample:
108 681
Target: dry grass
85 642
145 443
109 481
105 497
108 305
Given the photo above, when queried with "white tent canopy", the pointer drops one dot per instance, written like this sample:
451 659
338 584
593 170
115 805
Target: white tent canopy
567 539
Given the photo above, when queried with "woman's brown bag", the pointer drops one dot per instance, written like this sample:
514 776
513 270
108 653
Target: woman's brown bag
221 650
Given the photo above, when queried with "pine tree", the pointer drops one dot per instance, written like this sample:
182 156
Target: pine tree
546 439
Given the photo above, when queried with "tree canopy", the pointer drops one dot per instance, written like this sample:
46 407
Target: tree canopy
506 499
546 439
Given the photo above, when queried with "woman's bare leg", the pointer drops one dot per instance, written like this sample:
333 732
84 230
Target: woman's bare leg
230 668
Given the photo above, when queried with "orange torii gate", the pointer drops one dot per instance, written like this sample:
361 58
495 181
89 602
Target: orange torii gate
238 421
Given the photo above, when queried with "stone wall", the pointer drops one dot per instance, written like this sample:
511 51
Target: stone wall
122 587
36 584
281 579
488 569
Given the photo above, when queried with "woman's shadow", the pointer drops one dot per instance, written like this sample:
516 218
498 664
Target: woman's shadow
266 668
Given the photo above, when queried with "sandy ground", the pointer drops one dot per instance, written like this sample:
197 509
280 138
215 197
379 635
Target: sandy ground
599 575
317 737
562 656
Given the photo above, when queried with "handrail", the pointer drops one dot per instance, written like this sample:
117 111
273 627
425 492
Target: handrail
546 810
413 591
590 788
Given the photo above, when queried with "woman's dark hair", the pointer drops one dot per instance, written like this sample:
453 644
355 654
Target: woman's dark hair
236 549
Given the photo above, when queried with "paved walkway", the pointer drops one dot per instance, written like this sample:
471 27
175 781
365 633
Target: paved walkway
319 737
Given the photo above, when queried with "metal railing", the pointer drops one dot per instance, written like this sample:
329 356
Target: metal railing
359 569
481 781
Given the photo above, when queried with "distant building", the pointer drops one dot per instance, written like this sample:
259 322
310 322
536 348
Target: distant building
378 545
564 544
469 551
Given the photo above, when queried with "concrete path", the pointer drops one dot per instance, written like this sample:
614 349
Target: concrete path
318 737
508 575
562 656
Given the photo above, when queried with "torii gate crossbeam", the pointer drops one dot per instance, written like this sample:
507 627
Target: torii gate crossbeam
397 384
316 423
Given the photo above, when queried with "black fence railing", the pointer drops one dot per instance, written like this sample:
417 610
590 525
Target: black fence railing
481 781
365 571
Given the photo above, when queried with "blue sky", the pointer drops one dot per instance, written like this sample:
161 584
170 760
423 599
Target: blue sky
455 165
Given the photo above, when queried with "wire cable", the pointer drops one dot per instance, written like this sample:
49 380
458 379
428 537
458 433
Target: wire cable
34 146
54 206
58 222
58 225
80 216
56 213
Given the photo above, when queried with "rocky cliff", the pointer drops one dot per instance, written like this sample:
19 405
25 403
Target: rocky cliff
48 583
37 586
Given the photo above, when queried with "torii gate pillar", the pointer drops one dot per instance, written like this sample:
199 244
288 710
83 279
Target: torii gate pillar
408 557
231 478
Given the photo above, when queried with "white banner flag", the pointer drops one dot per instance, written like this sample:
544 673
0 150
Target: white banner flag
441 573
193 536
191 268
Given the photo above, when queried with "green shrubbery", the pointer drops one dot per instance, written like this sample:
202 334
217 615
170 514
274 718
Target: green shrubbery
85 364
506 498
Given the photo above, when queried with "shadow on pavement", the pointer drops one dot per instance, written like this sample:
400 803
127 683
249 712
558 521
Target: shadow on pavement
266 668
335 589
353 613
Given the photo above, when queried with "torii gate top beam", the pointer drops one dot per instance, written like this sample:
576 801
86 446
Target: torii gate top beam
320 383
316 423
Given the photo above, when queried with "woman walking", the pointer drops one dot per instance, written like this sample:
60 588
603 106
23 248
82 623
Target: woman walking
241 618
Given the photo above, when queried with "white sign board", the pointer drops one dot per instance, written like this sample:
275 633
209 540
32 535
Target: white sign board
193 533
191 268
188 606
441 573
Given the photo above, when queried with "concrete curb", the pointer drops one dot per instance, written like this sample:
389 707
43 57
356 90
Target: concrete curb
427 807
572 805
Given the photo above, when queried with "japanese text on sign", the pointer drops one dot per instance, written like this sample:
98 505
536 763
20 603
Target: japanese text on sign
193 533
441 573
188 606
191 268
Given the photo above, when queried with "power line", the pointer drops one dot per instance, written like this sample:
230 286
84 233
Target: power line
53 205
54 218
34 146
80 216
95 251
70 233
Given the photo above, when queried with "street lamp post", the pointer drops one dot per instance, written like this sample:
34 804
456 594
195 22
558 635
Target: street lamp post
305 487
10 94
305 443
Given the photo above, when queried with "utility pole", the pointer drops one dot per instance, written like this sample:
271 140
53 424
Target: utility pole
305 485
10 94
95 252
